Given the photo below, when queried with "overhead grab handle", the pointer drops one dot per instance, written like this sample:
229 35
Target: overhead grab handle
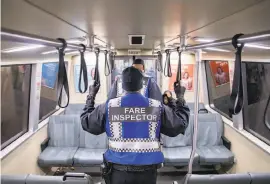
83 71
167 67
62 81
97 76
107 70
112 58
236 98
159 62
179 74
133 58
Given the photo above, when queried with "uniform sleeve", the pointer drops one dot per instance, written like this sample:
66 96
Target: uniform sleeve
93 120
154 91
174 120
113 92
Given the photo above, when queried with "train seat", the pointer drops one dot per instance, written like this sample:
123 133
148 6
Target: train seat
245 178
210 148
68 178
191 106
63 134
91 149
176 151
209 141
74 109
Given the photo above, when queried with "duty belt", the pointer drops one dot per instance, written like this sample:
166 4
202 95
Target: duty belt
133 168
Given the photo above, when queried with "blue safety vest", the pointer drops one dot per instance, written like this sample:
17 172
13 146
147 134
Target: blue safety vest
143 91
133 129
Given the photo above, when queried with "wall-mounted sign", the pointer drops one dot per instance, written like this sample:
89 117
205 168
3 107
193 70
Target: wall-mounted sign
220 72
187 76
134 52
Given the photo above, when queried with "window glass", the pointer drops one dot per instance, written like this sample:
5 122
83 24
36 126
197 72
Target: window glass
15 94
48 94
257 110
219 79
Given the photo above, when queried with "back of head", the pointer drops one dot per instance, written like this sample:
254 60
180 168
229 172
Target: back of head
132 79
139 64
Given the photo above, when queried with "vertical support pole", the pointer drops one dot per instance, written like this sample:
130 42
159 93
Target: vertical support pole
196 108
35 96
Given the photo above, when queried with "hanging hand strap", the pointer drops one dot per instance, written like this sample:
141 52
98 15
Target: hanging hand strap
167 67
97 76
112 58
159 62
133 58
62 81
179 75
83 71
236 98
107 70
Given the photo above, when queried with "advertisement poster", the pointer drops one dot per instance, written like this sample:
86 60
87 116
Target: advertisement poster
49 74
231 72
187 76
220 72
90 74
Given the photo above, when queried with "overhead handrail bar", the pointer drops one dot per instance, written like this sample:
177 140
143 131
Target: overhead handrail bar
18 36
247 38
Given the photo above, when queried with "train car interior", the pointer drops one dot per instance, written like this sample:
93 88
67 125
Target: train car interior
53 50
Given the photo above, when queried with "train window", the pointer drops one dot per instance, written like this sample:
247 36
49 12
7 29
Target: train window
257 110
123 62
219 76
48 94
15 94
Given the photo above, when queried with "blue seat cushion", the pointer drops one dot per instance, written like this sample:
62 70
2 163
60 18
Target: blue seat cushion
88 157
178 156
57 156
215 155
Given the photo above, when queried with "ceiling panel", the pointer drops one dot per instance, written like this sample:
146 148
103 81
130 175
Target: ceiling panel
18 15
159 20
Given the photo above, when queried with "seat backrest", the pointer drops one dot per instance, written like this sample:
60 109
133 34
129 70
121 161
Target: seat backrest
210 130
74 109
63 131
260 178
88 140
170 142
191 106
13 179
219 179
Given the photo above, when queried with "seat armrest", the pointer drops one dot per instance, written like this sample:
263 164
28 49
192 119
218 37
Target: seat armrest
226 142
44 144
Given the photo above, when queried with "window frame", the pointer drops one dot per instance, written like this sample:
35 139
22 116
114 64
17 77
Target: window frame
18 135
56 106
245 98
209 92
